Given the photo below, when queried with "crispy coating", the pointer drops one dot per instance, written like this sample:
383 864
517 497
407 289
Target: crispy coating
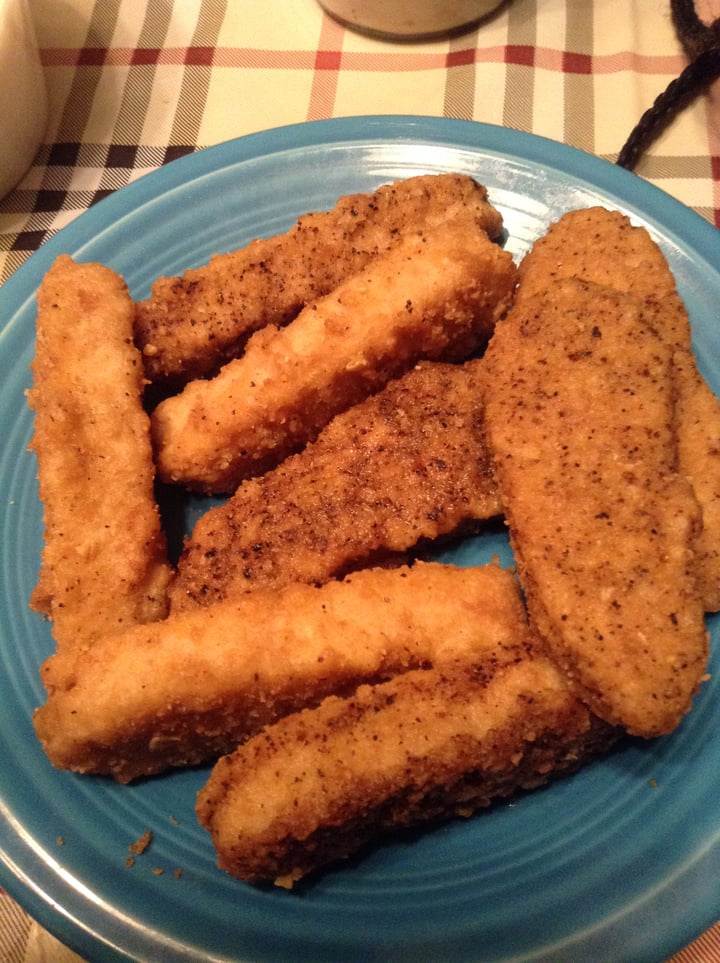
103 563
319 784
604 247
435 296
580 423
194 686
408 464
192 325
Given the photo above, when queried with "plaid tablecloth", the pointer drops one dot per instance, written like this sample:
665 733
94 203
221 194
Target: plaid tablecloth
134 84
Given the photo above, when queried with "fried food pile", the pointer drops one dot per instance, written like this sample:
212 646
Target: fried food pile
376 381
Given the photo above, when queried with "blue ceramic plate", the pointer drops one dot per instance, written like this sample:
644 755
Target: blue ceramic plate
620 862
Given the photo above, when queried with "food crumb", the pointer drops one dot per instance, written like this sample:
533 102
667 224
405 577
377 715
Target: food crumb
141 844
653 783
59 841
177 874
130 862
158 870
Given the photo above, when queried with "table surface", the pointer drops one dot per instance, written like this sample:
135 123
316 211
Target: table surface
134 85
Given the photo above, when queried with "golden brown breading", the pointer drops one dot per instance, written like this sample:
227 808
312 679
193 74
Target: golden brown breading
319 784
192 325
580 423
434 296
191 687
604 247
103 564
410 463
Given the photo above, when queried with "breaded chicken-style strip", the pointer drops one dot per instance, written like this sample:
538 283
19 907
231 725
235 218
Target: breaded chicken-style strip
192 687
604 247
318 785
435 296
103 564
192 325
580 423
407 465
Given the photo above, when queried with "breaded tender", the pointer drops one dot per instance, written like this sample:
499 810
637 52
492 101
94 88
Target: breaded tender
408 464
192 325
103 563
580 423
427 745
604 247
433 296
194 686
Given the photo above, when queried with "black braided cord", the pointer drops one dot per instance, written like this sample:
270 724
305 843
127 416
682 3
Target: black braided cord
695 35
702 44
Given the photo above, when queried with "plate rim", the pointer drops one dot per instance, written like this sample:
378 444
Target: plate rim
685 225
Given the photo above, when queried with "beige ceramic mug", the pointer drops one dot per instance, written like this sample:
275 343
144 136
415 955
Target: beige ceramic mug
23 95
410 19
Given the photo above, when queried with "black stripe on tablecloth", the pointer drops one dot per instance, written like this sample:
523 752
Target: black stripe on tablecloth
46 209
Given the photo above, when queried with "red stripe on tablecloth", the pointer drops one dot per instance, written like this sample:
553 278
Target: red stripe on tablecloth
521 55
625 60
548 58
144 57
199 57
254 57
90 57
395 61
460 58
328 60
575 63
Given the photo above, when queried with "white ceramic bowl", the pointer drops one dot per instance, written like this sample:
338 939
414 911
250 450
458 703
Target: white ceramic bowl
23 95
